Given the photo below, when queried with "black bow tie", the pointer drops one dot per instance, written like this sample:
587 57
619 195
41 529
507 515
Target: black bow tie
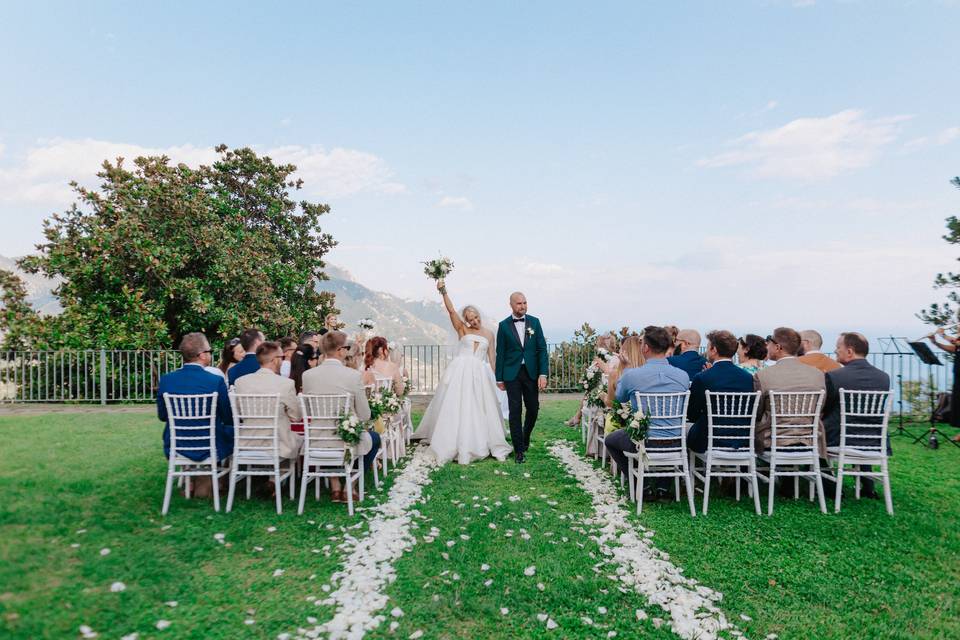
523 319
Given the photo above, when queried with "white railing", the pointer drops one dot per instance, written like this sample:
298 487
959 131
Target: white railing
108 376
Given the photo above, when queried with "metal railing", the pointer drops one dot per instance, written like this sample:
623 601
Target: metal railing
105 376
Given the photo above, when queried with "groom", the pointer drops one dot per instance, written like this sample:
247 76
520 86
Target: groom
521 370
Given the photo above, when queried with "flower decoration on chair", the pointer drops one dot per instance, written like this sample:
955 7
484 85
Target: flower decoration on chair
350 427
596 397
637 426
438 269
620 414
384 402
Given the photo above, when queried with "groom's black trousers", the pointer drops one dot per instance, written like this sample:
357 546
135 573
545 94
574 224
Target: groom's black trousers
522 392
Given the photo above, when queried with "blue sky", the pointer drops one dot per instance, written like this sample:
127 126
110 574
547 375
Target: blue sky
739 164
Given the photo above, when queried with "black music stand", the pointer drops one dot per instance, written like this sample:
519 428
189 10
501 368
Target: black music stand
922 349
898 347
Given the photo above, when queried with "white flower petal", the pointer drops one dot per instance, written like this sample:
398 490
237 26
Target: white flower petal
162 624
117 587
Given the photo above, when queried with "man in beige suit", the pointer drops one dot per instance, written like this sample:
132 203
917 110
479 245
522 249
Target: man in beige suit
810 344
333 377
267 380
786 374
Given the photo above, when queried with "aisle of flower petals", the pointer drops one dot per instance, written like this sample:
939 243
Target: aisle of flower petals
692 608
368 565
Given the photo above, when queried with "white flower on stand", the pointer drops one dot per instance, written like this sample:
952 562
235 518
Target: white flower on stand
641 566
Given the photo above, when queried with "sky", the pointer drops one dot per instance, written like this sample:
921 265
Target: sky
742 165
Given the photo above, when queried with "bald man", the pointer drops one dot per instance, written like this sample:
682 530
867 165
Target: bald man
689 358
810 344
521 369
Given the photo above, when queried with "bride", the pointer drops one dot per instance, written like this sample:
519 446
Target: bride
464 419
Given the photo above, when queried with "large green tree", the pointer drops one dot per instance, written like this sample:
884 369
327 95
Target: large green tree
941 314
160 250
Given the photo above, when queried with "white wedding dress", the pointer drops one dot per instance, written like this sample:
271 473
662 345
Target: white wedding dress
464 421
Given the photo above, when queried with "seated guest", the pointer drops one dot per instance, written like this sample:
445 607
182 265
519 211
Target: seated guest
332 377
674 349
856 374
304 359
608 342
786 374
250 339
312 338
232 354
288 346
722 375
354 357
630 357
689 359
810 344
267 380
193 379
377 364
656 376
752 353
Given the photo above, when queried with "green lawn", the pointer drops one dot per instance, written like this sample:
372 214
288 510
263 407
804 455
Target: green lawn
859 574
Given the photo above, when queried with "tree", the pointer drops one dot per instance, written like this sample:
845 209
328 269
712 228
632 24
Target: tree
942 314
160 250
18 320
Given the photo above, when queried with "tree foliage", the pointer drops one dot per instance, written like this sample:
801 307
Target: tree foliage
160 250
941 314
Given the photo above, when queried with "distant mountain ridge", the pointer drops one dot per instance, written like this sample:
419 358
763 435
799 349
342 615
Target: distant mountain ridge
398 319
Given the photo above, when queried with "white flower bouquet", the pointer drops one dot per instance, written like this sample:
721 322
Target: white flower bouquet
438 269
366 324
592 378
350 428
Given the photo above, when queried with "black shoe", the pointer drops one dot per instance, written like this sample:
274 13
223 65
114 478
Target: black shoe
518 458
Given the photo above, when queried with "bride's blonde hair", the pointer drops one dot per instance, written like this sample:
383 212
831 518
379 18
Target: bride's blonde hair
470 307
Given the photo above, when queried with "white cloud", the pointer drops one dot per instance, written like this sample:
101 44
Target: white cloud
42 175
459 202
939 139
811 148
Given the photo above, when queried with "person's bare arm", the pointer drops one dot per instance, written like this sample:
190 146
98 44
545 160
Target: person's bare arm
950 347
455 320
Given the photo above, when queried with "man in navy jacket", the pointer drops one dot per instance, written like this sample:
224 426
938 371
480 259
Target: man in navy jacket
689 359
250 339
722 375
192 379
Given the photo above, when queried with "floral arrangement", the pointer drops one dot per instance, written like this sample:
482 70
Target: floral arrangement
350 427
366 324
438 269
605 355
637 426
596 397
620 414
407 386
383 402
592 378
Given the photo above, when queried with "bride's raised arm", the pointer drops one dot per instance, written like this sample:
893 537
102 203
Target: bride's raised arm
455 319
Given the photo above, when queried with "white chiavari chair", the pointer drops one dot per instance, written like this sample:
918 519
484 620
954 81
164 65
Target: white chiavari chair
864 418
193 424
325 454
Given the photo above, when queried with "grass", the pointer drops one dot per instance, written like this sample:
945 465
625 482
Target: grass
859 574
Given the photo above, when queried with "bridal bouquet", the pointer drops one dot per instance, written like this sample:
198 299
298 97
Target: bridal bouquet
366 324
438 269
350 427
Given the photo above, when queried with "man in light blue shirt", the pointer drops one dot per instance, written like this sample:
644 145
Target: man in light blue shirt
656 376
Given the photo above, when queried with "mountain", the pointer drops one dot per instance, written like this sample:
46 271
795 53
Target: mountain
39 289
398 319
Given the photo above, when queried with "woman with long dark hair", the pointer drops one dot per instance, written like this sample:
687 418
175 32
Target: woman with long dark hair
232 354
304 359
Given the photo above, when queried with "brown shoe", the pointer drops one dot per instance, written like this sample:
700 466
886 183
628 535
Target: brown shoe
338 496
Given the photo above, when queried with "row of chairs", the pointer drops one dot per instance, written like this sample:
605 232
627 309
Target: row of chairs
731 422
323 454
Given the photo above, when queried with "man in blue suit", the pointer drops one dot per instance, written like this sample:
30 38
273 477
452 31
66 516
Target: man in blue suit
722 375
192 379
689 359
250 339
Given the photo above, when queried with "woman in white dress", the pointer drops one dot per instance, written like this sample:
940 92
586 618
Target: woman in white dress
464 420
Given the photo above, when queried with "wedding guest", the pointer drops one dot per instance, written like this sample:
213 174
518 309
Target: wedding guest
232 354
674 349
607 342
950 345
250 339
304 359
353 358
330 323
377 363
311 338
752 353
332 377
288 346
810 344
689 359
192 379
655 376
267 380
786 374
856 374
722 375
630 357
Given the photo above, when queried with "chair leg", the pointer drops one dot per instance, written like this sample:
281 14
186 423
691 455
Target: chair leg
819 480
169 491
755 485
304 479
838 494
772 479
248 486
887 497
706 487
676 488
292 478
630 478
360 463
689 484
216 486
376 475
857 487
639 488
349 483
736 486
277 489
796 487
189 486
232 487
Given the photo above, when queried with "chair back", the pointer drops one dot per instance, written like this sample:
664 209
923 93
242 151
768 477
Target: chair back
382 383
321 413
864 416
192 419
795 420
731 420
256 420
667 412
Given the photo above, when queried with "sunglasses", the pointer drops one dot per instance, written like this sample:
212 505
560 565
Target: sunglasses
771 340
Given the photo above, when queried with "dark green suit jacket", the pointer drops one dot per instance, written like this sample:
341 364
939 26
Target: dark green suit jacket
510 353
